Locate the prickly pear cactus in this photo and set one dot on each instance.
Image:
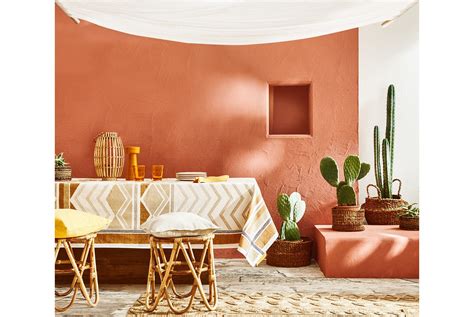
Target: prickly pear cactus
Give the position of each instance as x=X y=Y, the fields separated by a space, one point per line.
x=353 y=170
x=291 y=209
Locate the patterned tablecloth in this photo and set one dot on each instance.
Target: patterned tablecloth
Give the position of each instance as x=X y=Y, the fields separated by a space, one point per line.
x=235 y=206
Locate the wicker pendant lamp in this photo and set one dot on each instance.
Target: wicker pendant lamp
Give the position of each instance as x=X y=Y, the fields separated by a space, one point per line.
x=108 y=155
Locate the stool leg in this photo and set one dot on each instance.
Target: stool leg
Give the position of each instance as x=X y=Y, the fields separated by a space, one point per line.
x=212 y=276
x=150 y=286
x=73 y=262
x=93 y=276
x=79 y=273
x=71 y=287
x=191 y=293
x=196 y=276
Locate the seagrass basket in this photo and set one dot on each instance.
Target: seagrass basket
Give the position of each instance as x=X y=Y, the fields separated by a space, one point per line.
x=409 y=223
x=383 y=211
x=62 y=173
x=108 y=155
x=284 y=253
x=348 y=218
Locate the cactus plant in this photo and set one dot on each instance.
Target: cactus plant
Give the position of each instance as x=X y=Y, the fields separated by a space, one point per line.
x=353 y=170
x=291 y=209
x=383 y=159
x=59 y=160
x=410 y=211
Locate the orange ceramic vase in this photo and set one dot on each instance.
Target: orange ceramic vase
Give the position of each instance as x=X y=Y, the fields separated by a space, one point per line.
x=132 y=162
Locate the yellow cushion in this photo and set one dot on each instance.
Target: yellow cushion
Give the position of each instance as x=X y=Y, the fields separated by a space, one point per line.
x=74 y=223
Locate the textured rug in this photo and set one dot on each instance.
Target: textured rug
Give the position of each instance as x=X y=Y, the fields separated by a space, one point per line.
x=296 y=304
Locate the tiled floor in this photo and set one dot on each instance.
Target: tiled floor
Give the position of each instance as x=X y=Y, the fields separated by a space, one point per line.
x=237 y=275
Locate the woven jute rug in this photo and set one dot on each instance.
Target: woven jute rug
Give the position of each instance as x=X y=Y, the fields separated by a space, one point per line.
x=295 y=304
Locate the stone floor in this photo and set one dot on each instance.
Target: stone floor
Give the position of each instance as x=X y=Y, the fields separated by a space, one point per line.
x=237 y=275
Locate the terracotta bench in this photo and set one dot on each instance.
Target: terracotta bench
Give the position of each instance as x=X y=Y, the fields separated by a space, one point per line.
x=379 y=251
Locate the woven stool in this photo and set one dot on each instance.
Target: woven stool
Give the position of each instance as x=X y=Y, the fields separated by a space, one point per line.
x=86 y=262
x=169 y=267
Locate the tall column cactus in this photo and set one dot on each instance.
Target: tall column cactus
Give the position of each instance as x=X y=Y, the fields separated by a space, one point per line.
x=353 y=170
x=383 y=159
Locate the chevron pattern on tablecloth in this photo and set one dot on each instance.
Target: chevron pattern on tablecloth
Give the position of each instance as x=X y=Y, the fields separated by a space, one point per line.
x=224 y=204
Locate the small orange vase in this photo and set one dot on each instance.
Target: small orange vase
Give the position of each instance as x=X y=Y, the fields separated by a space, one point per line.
x=132 y=162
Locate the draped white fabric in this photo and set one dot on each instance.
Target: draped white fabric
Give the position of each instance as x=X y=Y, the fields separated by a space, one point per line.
x=233 y=22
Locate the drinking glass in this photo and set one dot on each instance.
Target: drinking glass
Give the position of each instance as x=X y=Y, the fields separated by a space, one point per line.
x=140 y=173
x=157 y=172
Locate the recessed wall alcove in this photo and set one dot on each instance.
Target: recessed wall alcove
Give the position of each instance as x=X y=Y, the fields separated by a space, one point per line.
x=289 y=113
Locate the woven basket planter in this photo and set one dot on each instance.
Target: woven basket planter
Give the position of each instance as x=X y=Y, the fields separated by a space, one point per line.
x=62 y=173
x=409 y=223
x=383 y=211
x=108 y=156
x=284 y=253
x=348 y=218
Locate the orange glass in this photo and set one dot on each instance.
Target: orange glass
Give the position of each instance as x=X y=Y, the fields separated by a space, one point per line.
x=157 y=172
x=140 y=173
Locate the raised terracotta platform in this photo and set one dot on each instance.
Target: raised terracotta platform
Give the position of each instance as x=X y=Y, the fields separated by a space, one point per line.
x=379 y=251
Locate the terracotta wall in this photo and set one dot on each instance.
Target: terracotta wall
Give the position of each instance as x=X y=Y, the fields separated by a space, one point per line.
x=204 y=107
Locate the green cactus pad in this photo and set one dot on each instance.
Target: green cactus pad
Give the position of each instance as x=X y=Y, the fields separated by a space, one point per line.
x=364 y=170
x=329 y=171
x=292 y=232
x=346 y=196
x=351 y=169
x=284 y=206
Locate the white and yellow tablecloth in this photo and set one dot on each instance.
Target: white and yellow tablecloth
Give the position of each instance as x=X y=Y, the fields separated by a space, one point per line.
x=235 y=206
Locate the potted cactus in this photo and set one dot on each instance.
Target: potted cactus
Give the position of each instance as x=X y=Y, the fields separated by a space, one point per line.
x=385 y=208
x=347 y=215
x=410 y=217
x=290 y=250
x=62 y=170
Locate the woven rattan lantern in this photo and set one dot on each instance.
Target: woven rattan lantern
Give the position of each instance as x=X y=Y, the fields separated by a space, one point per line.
x=108 y=156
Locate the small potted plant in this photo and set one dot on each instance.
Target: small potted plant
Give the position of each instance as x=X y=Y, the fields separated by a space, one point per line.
x=62 y=169
x=410 y=218
x=290 y=250
x=347 y=215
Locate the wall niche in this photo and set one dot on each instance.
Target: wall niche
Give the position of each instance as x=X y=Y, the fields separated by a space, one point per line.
x=289 y=112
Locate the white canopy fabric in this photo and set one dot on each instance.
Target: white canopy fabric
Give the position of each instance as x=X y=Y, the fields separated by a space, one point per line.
x=233 y=22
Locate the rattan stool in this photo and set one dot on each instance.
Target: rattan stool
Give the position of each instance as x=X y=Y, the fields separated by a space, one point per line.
x=77 y=269
x=167 y=268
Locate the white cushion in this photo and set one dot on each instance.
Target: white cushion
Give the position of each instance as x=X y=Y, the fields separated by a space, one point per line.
x=178 y=224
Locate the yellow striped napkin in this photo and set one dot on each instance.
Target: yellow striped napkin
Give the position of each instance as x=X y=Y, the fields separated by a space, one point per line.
x=211 y=179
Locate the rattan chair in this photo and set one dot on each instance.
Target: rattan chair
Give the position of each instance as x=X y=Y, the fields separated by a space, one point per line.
x=86 y=262
x=169 y=267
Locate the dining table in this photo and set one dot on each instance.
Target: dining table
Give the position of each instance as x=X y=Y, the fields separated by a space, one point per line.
x=236 y=206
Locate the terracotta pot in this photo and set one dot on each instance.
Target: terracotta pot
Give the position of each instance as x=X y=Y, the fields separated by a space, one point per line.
x=383 y=211
x=348 y=218
x=284 y=253
x=62 y=173
x=409 y=223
